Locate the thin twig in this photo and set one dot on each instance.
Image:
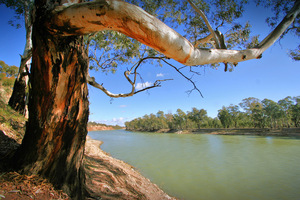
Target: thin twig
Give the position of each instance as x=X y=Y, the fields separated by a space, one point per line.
x=189 y=79
x=157 y=83
x=92 y=81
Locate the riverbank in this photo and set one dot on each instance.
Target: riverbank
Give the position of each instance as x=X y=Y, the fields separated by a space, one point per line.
x=253 y=131
x=99 y=128
x=94 y=126
x=235 y=131
x=106 y=177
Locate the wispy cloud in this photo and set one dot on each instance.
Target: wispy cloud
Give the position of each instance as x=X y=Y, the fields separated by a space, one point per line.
x=160 y=75
x=123 y=106
x=140 y=86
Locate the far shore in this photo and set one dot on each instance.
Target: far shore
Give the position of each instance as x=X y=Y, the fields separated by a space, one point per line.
x=101 y=128
x=235 y=131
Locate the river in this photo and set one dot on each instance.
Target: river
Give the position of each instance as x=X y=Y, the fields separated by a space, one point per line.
x=211 y=167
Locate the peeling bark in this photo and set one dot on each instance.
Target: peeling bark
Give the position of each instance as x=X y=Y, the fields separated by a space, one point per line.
x=54 y=141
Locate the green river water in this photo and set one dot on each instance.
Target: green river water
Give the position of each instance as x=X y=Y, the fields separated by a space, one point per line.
x=211 y=167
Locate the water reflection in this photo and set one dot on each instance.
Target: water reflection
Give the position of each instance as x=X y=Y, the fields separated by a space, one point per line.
x=210 y=166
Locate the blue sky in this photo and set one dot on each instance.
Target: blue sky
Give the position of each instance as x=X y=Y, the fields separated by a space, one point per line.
x=275 y=76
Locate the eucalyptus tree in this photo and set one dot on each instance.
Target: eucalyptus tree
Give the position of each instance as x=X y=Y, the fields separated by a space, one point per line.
x=245 y=120
x=234 y=112
x=170 y=120
x=198 y=116
x=53 y=145
x=225 y=117
x=258 y=116
x=295 y=111
x=286 y=106
x=272 y=111
x=161 y=120
x=180 y=119
x=23 y=10
x=214 y=123
x=248 y=104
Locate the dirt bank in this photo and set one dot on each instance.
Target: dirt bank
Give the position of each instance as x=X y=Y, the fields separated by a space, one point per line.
x=109 y=178
x=99 y=128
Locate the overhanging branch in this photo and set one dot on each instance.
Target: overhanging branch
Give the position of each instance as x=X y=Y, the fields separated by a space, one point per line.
x=134 y=22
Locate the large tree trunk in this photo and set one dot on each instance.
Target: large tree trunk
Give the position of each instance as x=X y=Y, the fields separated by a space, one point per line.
x=54 y=141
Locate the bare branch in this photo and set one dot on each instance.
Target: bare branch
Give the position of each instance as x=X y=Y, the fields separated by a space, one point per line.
x=157 y=83
x=189 y=79
x=212 y=32
x=92 y=82
x=194 y=72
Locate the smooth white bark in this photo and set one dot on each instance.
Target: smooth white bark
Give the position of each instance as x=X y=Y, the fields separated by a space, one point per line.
x=131 y=20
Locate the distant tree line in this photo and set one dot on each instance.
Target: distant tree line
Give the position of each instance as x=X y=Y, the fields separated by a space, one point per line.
x=250 y=113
